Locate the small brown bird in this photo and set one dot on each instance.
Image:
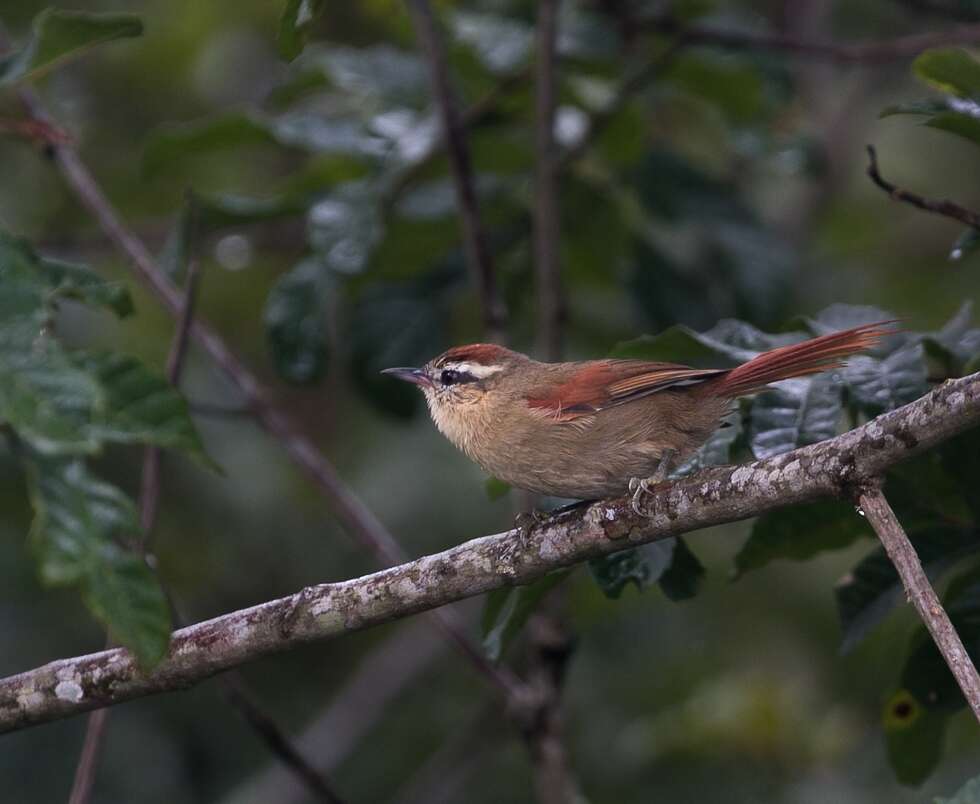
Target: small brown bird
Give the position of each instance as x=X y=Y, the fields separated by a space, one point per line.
x=589 y=429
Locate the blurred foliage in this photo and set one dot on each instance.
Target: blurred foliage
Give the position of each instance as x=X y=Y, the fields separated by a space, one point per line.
x=715 y=198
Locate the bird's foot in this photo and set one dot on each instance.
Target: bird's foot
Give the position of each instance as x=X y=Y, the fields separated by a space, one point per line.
x=641 y=487
x=525 y=522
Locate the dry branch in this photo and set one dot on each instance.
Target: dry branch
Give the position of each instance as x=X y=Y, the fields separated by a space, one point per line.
x=920 y=592
x=943 y=207
x=715 y=496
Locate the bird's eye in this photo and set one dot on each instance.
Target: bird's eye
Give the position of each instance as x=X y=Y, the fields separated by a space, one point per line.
x=449 y=377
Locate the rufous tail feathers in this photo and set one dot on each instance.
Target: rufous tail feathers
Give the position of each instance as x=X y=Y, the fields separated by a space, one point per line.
x=799 y=359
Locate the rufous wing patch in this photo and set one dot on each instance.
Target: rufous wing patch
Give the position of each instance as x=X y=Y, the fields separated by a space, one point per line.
x=604 y=383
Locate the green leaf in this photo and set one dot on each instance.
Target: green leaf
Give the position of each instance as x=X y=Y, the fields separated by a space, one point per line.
x=966 y=126
x=682 y=579
x=294 y=25
x=965 y=245
x=925 y=108
x=140 y=406
x=716 y=451
x=345 y=227
x=916 y=715
x=378 y=76
x=295 y=321
x=844 y=316
x=914 y=737
x=961 y=459
x=57 y=36
x=891 y=373
x=170 y=143
x=869 y=592
x=640 y=566
x=502 y=44
x=949 y=69
x=310 y=131
x=878 y=385
x=123 y=593
x=71 y=281
x=799 y=411
x=969 y=793
x=224 y=210
x=34 y=284
x=734 y=86
x=43 y=396
x=680 y=344
x=496 y=489
x=955 y=343
x=77 y=522
x=799 y=533
x=396 y=325
x=507 y=611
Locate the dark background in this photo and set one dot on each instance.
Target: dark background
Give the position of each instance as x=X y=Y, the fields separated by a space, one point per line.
x=732 y=186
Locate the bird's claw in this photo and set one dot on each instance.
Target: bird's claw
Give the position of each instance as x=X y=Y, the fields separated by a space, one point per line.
x=525 y=521
x=640 y=488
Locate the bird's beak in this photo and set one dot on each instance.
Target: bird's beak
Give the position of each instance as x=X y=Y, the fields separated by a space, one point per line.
x=412 y=375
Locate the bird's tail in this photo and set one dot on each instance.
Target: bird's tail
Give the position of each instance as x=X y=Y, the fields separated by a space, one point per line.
x=799 y=359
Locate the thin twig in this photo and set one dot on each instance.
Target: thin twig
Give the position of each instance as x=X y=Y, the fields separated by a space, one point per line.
x=546 y=223
x=474 y=236
x=920 y=592
x=938 y=207
x=444 y=774
x=363 y=700
x=34 y=131
x=549 y=643
x=150 y=477
x=712 y=497
x=866 y=53
x=276 y=739
x=357 y=519
x=550 y=649
x=88 y=759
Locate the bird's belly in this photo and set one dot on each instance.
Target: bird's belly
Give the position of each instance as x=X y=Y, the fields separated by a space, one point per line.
x=597 y=456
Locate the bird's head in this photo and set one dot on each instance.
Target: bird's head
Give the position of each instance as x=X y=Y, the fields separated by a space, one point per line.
x=463 y=375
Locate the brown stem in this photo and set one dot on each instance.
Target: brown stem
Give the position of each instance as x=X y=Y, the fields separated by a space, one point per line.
x=920 y=592
x=354 y=710
x=938 y=207
x=474 y=237
x=546 y=224
x=88 y=760
x=276 y=739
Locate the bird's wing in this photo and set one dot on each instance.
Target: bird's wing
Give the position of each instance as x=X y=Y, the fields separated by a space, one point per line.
x=603 y=384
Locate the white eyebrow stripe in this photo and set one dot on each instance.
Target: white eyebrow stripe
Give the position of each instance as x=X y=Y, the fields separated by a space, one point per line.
x=477 y=370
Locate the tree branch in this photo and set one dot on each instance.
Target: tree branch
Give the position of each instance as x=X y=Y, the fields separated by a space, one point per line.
x=920 y=592
x=474 y=237
x=938 y=207
x=712 y=497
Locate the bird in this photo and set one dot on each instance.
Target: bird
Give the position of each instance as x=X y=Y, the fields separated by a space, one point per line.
x=592 y=429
